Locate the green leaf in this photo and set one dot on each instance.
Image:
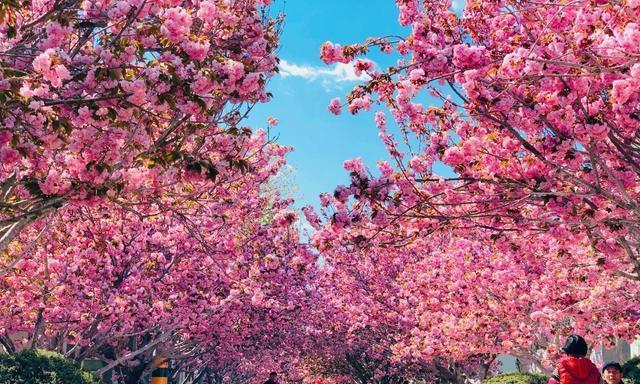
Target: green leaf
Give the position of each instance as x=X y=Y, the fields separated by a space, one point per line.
x=113 y=74
x=40 y=367
x=112 y=114
x=11 y=32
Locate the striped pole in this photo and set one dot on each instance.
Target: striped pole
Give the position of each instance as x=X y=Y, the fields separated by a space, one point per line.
x=160 y=375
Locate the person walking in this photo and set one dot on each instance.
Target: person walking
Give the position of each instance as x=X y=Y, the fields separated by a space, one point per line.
x=575 y=367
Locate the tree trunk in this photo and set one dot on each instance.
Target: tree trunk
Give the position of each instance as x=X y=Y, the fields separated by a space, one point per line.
x=8 y=345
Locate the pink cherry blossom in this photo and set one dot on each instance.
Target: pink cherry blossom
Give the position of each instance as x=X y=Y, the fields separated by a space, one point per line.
x=176 y=25
x=538 y=216
x=335 y=106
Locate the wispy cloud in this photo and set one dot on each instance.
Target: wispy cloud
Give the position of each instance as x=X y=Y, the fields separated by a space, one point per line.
x=338 y=73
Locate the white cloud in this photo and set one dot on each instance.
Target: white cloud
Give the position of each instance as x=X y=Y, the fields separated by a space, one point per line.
x=339 y=73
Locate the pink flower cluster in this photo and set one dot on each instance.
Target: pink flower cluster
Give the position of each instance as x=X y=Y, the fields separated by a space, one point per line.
x=335 y=106
x=361 y=66
x=48 y=65
x=177 y=24
x=330 y=53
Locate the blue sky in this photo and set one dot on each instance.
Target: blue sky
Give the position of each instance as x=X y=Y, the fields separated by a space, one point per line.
x=306 y=85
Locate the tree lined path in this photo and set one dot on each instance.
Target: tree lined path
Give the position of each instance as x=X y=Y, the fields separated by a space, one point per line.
x=141 y=216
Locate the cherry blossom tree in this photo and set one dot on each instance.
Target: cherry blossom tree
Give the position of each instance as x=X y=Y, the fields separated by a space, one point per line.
x=535 y=234
x=207 y=282
x=133 y=220
x=363 y=356
x=357 y=331
x=541 y=130
x=121 y=99
x=467 y=299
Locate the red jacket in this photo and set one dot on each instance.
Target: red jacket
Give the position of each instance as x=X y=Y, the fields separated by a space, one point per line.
x=578 y=370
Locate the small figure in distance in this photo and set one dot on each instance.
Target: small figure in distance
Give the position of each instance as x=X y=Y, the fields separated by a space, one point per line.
x=272 y=378
x=575 y=367
x=612 y=372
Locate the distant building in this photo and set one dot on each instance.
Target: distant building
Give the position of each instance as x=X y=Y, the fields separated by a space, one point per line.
x=622 y=352
x=635 y=348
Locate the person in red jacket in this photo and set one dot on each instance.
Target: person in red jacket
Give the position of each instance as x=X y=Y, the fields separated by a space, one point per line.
x=575 y=368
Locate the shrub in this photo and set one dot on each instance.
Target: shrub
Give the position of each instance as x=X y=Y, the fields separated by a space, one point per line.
x=42 y=367
x=631 y=370
x=517 y=378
